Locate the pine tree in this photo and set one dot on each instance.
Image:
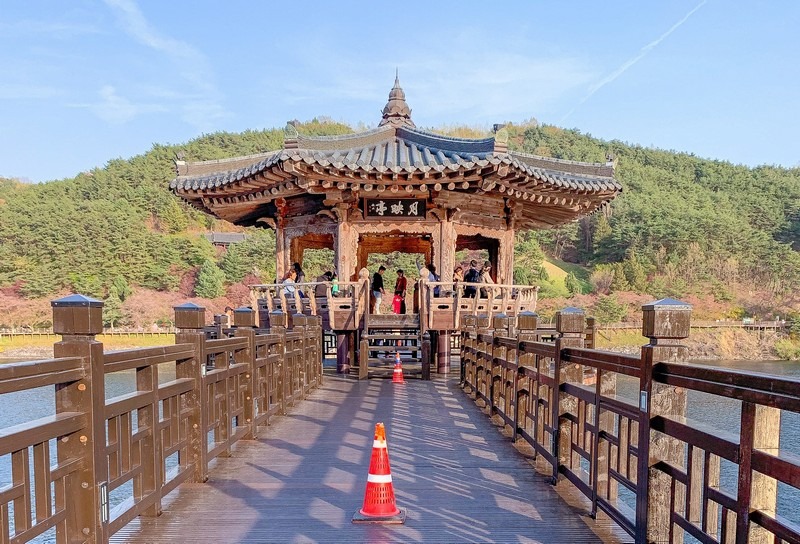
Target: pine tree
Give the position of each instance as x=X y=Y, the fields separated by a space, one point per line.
x=210 y=281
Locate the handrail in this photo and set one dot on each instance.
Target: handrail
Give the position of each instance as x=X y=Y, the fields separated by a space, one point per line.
x=223 y=388
x=597 y=440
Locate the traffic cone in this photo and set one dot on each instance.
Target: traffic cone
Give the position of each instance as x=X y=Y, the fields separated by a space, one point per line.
x=379 y=505
x=397 y=373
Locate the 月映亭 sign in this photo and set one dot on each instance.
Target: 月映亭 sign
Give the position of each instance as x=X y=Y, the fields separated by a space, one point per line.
x=394 y=208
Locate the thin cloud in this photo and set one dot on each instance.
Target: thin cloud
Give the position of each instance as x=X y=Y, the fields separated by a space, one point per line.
x=24 y=91
x=642 y=53
x=117 y=109
x=200 y=105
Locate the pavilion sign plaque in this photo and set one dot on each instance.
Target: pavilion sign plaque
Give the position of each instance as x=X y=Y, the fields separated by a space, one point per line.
x=394 y=208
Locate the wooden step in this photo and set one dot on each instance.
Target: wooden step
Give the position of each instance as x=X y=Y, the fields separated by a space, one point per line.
x=393 y=349
x=389 y=336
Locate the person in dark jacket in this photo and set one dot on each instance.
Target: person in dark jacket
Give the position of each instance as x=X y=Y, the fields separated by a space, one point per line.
x=377 y=288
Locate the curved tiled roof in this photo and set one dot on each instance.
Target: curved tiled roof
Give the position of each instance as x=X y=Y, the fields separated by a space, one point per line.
x=396 y=150
x=401 y=157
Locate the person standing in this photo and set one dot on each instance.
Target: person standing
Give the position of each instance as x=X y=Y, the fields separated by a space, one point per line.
x=472 y=276
x=400 y=287
x=300 y=277
x=486 y=277
x=377 y=288
x=434 y=277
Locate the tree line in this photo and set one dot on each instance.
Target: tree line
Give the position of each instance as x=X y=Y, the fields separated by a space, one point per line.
x=684 y=226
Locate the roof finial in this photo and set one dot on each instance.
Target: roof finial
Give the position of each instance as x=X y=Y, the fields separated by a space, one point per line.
x=396 y=112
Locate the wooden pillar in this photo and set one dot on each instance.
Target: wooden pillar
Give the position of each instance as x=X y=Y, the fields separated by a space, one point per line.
x=344 y=251
x=505 y=257
x=443 y=352
x=569 y=327
x=426 y=355
x=446 y=259
x=665 y=322
x=342 y=352
x=78 y=319
x=281 y=251
x=189 y=322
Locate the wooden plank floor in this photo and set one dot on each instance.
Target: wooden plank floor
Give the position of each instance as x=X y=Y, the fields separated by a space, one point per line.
x=458 y=477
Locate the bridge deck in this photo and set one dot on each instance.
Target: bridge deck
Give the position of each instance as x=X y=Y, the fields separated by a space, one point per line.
x=458 y=477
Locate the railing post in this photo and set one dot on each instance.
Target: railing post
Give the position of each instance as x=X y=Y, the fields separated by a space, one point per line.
x=189 y=322
x=244 y=322
x=760 y=430
x=569 y=327
x=500 y=324
x=314 y=329
x=591 y=333
x=665 y=322
x=527 y=322
x=425 y=355
x=443 y=352
x=467 y=349
x=301 y=368
x=78 y=319
x=278 y=321
x=343 y=352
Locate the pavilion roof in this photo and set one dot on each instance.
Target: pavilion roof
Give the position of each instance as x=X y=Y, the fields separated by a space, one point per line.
x=400 y=156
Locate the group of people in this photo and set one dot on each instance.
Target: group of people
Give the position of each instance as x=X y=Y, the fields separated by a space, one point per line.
x=295 y=275
x=378 y=291
x=475 y=274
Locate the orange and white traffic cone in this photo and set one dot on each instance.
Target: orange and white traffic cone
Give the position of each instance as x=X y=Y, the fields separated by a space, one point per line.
x=397 y=373
x=379 y=505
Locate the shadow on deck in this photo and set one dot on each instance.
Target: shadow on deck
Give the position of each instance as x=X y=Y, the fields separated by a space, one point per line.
x=459 y=478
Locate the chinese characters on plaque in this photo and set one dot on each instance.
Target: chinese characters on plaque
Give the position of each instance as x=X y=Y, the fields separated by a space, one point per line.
x=394 y=208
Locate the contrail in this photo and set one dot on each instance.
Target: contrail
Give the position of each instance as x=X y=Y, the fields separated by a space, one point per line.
x=621 y=70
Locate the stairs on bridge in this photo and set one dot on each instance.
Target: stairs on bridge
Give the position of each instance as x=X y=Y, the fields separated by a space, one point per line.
x=383 y=338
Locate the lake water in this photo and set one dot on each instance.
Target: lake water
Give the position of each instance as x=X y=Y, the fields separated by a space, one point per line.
x=723 y=413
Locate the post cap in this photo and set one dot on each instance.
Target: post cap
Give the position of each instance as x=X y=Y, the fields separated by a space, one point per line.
x=667 y=304
x=570 y=320
x=76 y=300
x=666 y=318
x=77 y=315
x=244 y=317
x=189 y=316
x=528 y=320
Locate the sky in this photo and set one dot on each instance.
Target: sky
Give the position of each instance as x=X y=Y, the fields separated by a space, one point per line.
x=87 y=81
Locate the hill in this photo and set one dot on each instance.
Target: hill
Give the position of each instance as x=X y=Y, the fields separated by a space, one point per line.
x=725 y=237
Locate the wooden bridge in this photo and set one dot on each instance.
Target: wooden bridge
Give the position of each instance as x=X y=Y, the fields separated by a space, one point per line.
x=235 y=434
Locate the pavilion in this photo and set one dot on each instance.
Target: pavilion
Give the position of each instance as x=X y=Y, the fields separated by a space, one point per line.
x=396 y=188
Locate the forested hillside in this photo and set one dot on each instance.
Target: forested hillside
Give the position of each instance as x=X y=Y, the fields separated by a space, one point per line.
x=725 y=237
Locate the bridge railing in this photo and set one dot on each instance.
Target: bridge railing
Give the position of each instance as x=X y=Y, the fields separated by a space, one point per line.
x=636 y=454
x=443 y=304
x=341 y=305
x=116 y=458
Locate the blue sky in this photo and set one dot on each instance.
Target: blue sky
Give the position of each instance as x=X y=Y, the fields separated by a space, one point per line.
x=86 y=81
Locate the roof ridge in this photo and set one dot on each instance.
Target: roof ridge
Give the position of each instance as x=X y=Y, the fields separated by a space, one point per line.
x=233 y=159
x=436 y=136
x=351 y=136
x=554 y=159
